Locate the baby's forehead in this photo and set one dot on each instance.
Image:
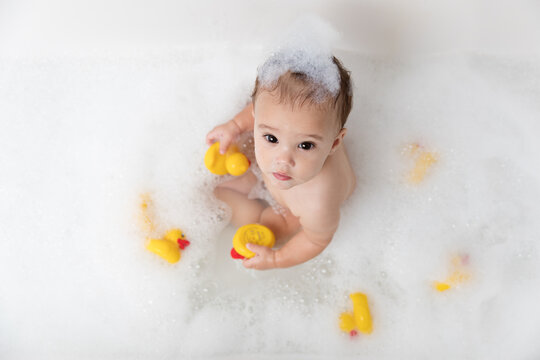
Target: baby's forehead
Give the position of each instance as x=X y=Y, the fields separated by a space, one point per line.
x=293 y=103
x=272 y=101
x=295 y=119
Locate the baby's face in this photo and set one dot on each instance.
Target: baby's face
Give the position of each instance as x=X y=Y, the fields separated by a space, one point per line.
x=291 y=146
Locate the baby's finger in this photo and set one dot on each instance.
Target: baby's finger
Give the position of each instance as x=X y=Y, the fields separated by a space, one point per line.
x=211 y=137
x=253 y=263
x=257 y=249
x=249 y=263
x=224 y=144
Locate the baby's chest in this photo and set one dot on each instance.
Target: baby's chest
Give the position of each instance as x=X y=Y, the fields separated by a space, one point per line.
x=294 y=201
x=282 y=199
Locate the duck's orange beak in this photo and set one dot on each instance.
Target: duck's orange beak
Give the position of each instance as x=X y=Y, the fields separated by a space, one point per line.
x=183 y=243
x=236 y=255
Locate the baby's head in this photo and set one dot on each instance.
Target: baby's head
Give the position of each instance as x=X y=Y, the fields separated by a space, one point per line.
x=299 y=119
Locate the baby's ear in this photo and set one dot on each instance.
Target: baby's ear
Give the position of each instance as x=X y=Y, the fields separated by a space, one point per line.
x=338 y=140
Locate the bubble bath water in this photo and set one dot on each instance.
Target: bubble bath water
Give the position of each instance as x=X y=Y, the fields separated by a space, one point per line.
x=88 y=127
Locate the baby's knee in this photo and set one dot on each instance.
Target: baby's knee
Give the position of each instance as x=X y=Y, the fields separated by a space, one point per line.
x=242 y=184
x=219 y=193
x=244 y=210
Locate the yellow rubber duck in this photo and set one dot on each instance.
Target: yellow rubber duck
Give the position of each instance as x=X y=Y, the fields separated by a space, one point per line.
x=459 y=274
x=359 y=319
x=232 y=162
x=424 y=160
x=169 y=246
x=254 y=234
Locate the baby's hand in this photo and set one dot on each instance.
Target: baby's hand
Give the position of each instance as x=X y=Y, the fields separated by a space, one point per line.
x=264 y=258
x=225 y=134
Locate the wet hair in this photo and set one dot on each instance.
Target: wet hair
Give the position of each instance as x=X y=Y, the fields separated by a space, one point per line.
x=298 y=89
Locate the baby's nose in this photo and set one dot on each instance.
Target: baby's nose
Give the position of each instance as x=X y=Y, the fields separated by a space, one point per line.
x=285 y=157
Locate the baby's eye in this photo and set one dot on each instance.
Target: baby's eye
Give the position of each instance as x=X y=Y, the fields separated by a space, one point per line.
x=270 y=138
x=306 y=145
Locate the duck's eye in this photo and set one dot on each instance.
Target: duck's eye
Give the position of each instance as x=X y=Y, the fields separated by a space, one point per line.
x=306 y=145
x=271 y=138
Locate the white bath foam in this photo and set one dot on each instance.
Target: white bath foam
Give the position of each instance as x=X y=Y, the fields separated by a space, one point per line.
x=306 y=48
x=76 y=160
x=476 y=164
x=83 y=142
x=402 y=289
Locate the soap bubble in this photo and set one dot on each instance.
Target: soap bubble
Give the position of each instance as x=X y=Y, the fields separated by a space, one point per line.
x=307 y=49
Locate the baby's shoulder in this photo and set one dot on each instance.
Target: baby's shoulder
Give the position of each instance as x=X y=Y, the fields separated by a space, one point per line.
x=317 y=207
x=337 y=179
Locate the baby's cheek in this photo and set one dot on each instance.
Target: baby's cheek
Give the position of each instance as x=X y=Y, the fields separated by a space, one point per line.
x=261 y=165
x=260 y=158
x=256 y=148
x=312 y=168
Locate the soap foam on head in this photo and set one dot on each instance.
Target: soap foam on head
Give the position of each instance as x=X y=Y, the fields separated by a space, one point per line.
x=306 y=49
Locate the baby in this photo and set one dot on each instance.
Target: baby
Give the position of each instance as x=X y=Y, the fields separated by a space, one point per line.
x=297 y=117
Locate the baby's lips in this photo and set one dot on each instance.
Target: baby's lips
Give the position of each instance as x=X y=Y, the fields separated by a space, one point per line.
x=281 y=176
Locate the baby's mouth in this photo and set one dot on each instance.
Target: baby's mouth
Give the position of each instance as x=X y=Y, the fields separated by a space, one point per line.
x=281 y=176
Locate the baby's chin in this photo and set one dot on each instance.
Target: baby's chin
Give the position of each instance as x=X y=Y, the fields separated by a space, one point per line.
x=284 y=185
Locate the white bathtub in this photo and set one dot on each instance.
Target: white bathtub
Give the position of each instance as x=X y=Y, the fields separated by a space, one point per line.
x=101 y=102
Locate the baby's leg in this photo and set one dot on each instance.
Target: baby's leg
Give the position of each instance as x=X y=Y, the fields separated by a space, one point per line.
x=235 y=194
x=283 y=226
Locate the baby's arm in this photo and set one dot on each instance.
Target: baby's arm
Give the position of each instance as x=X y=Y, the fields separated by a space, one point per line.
x=226 y=133
x=316 y=234
x=318 y=228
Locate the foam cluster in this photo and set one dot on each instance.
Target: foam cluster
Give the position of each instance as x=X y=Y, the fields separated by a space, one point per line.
x=307 y=50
